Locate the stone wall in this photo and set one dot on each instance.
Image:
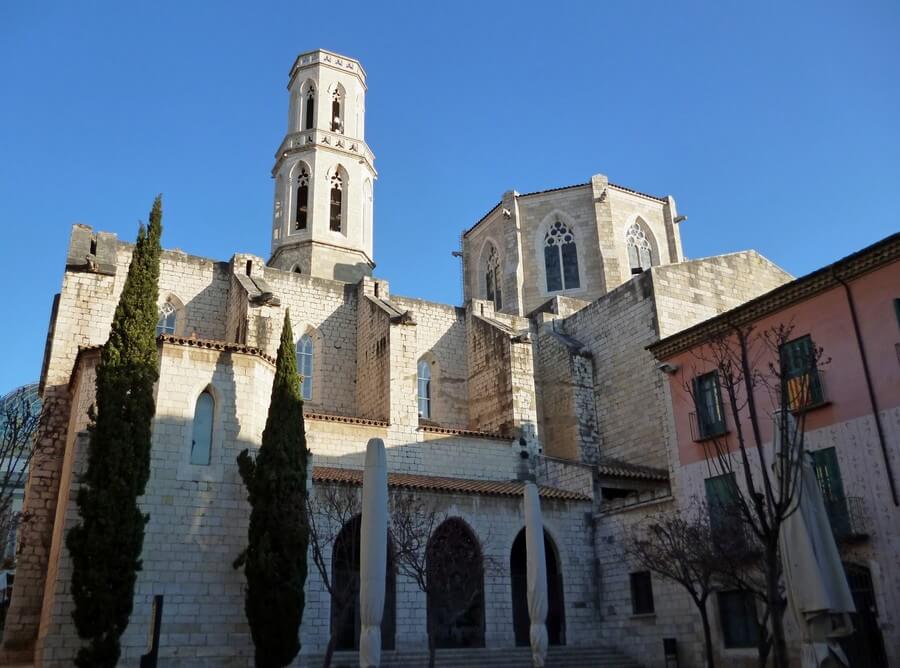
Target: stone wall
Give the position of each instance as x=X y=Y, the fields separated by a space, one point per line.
x=441 y=341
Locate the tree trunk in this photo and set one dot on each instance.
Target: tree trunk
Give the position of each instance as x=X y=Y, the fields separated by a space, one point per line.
x=776 y=620
x=431 y=647
x=707 y=637
x=329 y=650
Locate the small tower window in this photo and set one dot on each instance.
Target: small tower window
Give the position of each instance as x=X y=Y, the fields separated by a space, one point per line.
x=336 y=214
x=305 y=366
x=310 y=111
x=337 y=112
x=300 y=219
x=640 y=255
x=493 y=279
x=166 y=322
x=201 y=440
x=424 y=389
x=560 y=258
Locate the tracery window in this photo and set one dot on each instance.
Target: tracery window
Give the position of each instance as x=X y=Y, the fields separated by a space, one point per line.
x=305 y=365
x=166 y=322
x=336 y=214
x=310 y=109
x=560 y=258
x=302 y=215
x=424 y=389
x=640 y=255
x=493 y=279
x=201 y=439
x=337 y=112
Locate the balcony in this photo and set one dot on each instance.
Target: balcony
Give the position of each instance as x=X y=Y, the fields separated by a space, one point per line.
x=806 y=392
x=848 y=518
x=703 y=429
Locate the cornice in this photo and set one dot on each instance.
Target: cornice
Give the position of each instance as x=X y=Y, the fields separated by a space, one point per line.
x=297 y=142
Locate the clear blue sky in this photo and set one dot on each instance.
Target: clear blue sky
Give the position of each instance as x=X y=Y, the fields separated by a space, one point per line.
x=776 y=125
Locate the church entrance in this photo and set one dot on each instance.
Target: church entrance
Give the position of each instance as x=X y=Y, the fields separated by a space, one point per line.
x=345 y=597
x=556 y=616
x=455 y=576
x=866 y=646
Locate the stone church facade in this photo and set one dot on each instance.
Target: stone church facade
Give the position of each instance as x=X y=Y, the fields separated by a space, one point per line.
x=542 y=374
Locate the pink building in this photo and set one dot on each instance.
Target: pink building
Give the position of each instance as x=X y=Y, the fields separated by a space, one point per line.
x=850 y=309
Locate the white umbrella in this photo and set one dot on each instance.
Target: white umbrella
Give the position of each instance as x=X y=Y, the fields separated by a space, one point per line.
x=537 y=574
x=816 y=583
x=373 y=555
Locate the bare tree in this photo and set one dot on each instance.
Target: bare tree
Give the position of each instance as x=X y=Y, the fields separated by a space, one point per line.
x=19 y=416
x=442 y=557
x=765 y=375
x=678 y=547
x=331 y=508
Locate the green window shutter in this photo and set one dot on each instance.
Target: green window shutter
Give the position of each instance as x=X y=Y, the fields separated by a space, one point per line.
x=828 y=473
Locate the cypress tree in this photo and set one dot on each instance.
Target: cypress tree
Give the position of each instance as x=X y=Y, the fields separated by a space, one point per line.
x=106 y=543
x=275 y=558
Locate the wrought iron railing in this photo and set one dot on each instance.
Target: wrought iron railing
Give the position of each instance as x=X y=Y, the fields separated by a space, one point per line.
x=848 y=517
x=806 y=391
x=702 y=430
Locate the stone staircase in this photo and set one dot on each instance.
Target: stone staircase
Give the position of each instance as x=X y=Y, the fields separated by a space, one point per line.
x=514 y=657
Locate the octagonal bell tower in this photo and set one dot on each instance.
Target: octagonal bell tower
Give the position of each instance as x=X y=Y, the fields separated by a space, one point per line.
x=324 y=172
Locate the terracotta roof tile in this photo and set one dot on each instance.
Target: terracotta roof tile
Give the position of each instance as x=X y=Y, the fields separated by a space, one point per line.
x=210 y=344
x=345 y=419
x=616 y=469
x=442 y=484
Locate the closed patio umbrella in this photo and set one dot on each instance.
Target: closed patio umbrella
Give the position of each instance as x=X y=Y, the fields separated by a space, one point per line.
x=536 y=574
x=373 y=554
x=816 y=584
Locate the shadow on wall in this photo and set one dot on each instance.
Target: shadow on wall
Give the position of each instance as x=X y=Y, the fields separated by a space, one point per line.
x=351 y=273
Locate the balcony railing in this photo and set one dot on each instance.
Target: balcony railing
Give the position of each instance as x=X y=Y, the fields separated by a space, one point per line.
x=702 y=430
x=806 y=391
x=848 y=518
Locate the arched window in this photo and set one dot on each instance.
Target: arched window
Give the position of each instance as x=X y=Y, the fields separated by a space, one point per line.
x=166 y=322
x=424 y=389
x=337 y=111
x=336 y=214
x=310 y=112
x=640 y=254
x=492 y=279
x=201 y=440
x=560 y=258
x=305 y=365
x=302 y=200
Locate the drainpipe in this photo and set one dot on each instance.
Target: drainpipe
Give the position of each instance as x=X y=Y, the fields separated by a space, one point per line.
x=872 y=401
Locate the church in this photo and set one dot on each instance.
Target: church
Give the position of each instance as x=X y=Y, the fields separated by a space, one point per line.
x=542 y=374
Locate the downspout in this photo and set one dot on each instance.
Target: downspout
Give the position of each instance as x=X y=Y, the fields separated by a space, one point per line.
x=872 y=401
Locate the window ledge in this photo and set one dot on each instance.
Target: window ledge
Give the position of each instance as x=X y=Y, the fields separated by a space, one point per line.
x=643 y=615
x=811 y=407
x=709 y=437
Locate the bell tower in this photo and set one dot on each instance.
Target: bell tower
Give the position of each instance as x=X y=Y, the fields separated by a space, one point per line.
x=324 y=172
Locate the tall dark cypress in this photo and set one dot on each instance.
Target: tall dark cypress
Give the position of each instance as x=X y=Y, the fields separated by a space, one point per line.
x=275 y=559
x=106 y=543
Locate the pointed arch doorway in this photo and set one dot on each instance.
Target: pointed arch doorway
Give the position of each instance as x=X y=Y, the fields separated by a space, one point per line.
x=556 y=615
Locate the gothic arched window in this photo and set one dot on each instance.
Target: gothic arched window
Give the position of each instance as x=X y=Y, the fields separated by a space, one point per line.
x=337 y=111
x=492 y=279
x=201 y=439
x=336 y=214
x=166 y=322
x=310 y=109
x=560 y=258
x=302 y=214
x=640 y=255
x=305 y=365
x=424 y=389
